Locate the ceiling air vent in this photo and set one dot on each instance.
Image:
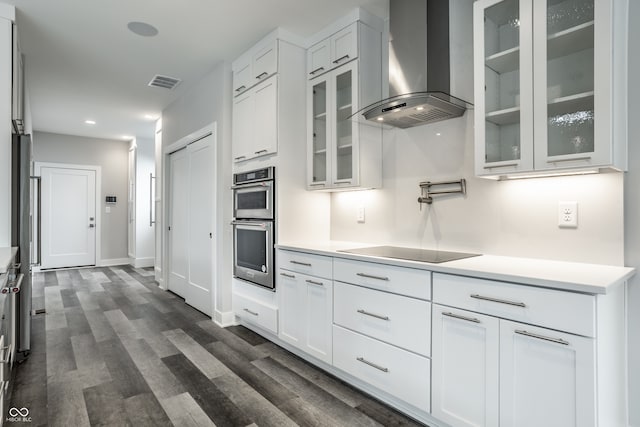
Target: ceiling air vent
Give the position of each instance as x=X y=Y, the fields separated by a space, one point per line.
x=164 y=82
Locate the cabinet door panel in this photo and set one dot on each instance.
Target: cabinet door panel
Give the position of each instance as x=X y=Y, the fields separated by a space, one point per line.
x=547 y=378
x=318 y=307
x=318 y=59
x=291 y=292
x=503 y=86
x=319 y=132
x=242 y=137
x=344 y=45
x=242 y=76
x=345 y=130
x=265 y=62
x=465 y=367
x=265 y=118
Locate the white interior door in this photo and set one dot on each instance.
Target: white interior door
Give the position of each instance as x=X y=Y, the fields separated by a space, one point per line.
x=178 y=222
x=68 y=217
x=200 y=223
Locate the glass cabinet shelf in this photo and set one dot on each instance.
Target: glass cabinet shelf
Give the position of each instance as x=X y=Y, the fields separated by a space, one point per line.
x=505 y=61
x=569 y=41
x=504 y=117
x=579 y=102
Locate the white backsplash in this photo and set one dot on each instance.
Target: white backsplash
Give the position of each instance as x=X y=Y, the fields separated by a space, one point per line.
x=516 y=218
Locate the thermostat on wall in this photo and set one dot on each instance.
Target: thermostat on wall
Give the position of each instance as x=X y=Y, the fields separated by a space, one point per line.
x=111 y=199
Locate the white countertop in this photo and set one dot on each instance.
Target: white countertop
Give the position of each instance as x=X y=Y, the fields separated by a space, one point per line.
x=6 y=258
x=570 y=276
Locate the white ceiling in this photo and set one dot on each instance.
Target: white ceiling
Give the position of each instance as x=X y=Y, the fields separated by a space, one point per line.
x=83 y=63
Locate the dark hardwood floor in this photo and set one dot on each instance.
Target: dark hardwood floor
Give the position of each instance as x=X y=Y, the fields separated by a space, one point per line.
x=115 y=350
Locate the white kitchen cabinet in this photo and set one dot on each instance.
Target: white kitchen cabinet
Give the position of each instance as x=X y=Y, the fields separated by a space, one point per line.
x=547 y=378
x=342 y=151
x=550 y=85
x=336 y=50
x=465 y=367
x=306 y=307
x=256 y=65
x=514 y=369
x=255 y=122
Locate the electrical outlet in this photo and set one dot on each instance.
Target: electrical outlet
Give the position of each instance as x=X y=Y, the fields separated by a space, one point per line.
x=360 y=214
x=568 y=214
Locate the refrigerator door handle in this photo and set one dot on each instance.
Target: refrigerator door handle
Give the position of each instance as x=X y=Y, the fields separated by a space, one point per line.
x=38 y=179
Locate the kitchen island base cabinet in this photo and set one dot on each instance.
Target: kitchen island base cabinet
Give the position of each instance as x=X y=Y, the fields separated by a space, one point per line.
x=547 y=378
x=305 y=315
x=397 y=372
x=465 y=367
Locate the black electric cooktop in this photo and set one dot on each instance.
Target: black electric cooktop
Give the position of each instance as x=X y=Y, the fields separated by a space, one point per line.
x=411 y=254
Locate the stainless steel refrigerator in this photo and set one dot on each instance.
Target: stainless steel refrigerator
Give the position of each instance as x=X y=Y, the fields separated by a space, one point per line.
x=21 y=236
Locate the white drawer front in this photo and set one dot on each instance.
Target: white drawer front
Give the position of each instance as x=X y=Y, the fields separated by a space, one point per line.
x=565 y=311
x=398 y=320
x=398 y=280
x=394 y=371
x=256 y=312
x=314 y=265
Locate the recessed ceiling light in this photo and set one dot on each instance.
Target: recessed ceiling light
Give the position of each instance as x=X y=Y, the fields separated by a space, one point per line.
x=142 y=29
x=90 y=122
x=438 y=134
x=419 y=108
x=380 y=119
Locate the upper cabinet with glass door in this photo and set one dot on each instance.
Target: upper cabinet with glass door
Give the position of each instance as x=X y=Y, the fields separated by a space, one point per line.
x=550 y=77
x=345 y=75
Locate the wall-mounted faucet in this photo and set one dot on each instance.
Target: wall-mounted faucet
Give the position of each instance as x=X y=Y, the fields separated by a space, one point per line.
x=428 y=198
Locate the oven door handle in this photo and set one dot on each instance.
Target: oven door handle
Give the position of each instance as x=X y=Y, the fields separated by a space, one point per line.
x=257 y=184
x=250 y=224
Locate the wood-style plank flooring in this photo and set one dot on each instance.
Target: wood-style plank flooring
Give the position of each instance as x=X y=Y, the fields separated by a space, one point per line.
x=115 y=350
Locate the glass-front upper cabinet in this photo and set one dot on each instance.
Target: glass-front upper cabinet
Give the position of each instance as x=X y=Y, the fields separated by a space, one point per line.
x=550 y=85
x=503 y=73
x=565 y=83
x=320 y=130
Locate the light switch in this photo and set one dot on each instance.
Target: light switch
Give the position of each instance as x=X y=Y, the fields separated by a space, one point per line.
x=107 y=209
x=360 y=214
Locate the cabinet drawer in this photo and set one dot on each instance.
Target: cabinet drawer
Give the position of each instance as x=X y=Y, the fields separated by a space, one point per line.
x=565 y=311
x=314 y=265
x=256 y=312
x=394 y=319
x=398 y=280
x=400 y=373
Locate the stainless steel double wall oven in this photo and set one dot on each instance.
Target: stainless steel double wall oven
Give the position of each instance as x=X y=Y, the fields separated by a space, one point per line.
x=254 y=226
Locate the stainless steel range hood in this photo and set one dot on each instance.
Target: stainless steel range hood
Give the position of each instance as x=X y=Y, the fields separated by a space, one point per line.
x=430 y=51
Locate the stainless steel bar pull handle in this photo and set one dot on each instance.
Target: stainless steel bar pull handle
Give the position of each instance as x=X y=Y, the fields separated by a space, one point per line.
x=373 y=365
x=501 y=301
x=313 y=282
x=316 y=70
x=261 y=75
x=542 y=337
x=260 y=151
x=38 y=179
x=253 y=313
x=505 y=165
x=457 y=316
x=239 y=157
x=306 y=264
x=377 y=316
x=369 y=276
x=240 y=88
x=574 y=159
x=340 y=59
x=290 y=276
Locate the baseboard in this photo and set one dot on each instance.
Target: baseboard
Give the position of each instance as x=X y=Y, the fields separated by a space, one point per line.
x=112 y=262
x=142 y=262
x=224 y=319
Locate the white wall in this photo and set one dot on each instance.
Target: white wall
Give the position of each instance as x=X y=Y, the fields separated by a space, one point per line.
x=209 y=101
x=112 y=156
x=632 y=217
x=516 y=218
x=5 y=129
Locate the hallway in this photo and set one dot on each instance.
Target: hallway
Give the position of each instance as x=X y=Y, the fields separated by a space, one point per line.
x=114 y=349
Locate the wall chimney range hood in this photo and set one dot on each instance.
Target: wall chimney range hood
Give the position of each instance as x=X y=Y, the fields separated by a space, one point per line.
x=430 y=46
